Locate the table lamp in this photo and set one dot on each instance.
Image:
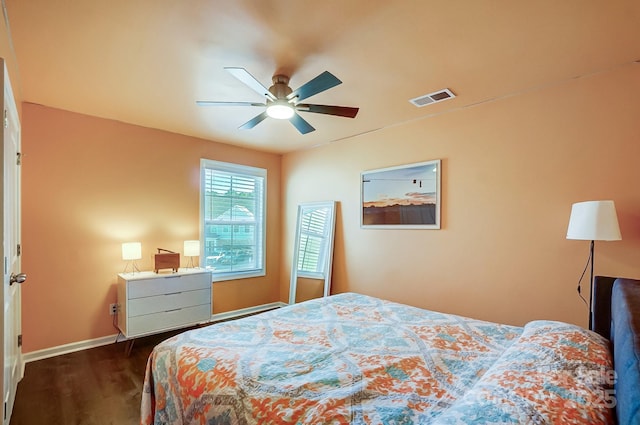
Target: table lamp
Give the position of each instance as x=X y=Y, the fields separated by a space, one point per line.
x=131 y=251
x=191 y=249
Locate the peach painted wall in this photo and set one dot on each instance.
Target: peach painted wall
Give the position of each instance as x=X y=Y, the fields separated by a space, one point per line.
x=90 y=184
x=7 y=53
x=511 y=170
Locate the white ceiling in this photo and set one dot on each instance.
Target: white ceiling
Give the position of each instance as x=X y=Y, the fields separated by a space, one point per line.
x=146 y=62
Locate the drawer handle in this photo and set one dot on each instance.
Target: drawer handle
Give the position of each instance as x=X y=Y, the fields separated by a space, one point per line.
x=175 y=309
x=173 y=293
x=172 y=277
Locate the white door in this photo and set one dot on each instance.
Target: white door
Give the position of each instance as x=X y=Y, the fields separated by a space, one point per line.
x=12 y=359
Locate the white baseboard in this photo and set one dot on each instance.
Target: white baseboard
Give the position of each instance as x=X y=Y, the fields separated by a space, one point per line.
x=67 y=348
x=105 y=340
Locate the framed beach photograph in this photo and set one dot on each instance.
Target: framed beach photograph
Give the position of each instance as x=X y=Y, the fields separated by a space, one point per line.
x=402 y=197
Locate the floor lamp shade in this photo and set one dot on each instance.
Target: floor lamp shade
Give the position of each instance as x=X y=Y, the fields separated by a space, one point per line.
x=594 y=221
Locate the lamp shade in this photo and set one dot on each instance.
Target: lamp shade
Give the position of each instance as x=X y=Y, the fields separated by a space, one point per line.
x=131 y=251
x=594 y=221
x=191 y=248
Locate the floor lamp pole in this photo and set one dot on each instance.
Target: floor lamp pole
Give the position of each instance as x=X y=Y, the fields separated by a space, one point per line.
x=591 y=288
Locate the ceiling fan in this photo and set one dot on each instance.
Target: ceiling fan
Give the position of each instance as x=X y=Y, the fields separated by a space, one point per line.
x=284 y=103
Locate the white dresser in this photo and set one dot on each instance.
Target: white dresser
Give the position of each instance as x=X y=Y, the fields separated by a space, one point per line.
x=151 y=303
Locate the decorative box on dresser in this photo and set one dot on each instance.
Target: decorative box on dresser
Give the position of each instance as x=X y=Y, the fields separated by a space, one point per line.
x=150 y=303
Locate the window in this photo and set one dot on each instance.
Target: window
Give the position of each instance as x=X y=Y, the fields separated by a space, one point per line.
x=314 y=231
x=232 y=214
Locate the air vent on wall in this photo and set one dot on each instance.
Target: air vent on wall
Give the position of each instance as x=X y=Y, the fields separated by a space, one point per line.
x=434 y=97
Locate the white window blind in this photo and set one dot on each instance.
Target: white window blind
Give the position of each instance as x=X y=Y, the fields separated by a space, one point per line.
x=314 y=231
x=232 y=219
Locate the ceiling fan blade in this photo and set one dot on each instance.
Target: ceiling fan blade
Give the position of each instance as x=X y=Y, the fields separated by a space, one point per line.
x=322 y=82
x=254 y=121
x=341 y=111
x=244 y=76
x=213 y=103
x=301 y=124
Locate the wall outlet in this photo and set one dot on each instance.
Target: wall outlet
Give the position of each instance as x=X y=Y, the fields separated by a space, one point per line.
x=113 y=309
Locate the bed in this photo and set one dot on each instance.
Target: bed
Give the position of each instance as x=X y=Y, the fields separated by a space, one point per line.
x=351 y=358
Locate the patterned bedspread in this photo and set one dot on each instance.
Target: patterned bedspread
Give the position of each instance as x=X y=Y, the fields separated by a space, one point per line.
x=354 y=359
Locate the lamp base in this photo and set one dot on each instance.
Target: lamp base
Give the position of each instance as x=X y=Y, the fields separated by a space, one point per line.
x=134 y=267
x=191 y=265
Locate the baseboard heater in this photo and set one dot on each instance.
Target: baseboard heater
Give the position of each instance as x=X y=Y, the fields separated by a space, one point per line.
x=235 y=314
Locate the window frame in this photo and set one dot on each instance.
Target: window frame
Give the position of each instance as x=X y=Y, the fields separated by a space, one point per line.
x=260 y=175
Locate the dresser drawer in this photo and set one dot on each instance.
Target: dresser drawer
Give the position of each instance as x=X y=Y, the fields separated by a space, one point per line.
x=158 y=322
x=167 y=284
x=160 y=303
x=152 y=303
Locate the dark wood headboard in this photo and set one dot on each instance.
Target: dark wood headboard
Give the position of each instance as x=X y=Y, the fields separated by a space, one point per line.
x=601 y=323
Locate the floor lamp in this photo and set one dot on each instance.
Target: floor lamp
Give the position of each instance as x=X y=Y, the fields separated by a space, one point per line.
x=593 y=221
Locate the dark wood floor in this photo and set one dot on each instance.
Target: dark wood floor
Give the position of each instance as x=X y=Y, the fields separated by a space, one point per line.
x=99 y=386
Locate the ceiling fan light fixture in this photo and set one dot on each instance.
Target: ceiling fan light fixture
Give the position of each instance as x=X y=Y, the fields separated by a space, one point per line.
x=280 y=110
x=282 y=103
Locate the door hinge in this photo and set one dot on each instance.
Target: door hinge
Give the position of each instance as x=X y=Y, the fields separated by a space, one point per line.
x=19 y=158
x=19 y=250
x=6 y=119
x=20 y=340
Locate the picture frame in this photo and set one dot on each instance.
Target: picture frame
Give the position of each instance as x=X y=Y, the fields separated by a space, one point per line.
x=401 y=197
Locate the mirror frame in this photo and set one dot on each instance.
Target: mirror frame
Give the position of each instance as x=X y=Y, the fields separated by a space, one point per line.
x=303 y=209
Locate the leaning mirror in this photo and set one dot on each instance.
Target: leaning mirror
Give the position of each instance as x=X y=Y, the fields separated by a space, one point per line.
x=313 y=251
